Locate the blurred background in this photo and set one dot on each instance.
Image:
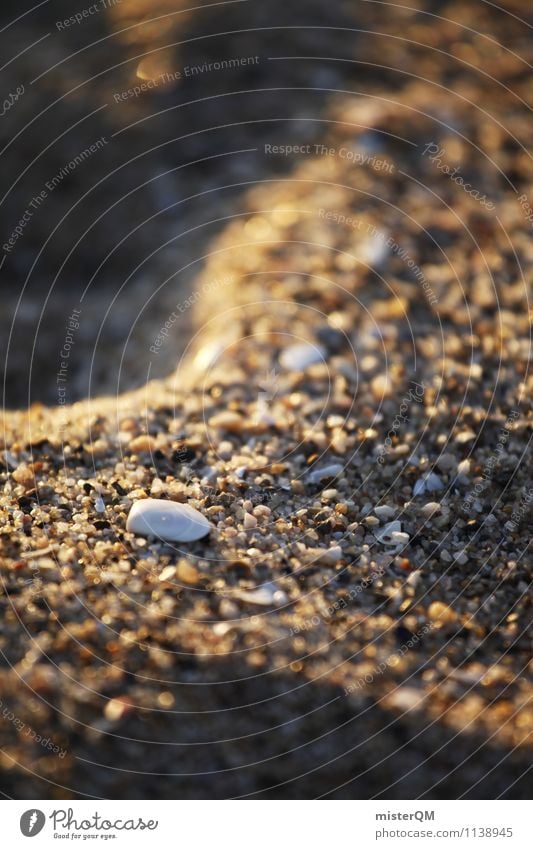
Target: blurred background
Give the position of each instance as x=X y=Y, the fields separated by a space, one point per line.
x=127 y=231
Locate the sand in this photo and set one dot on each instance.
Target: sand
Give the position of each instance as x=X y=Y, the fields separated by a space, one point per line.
x=356 y=624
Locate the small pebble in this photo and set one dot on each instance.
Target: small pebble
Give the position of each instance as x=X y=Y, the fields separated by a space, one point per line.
x=399 y=538
x=325 y=555
x=430 y=509
x=433 y=483
x=446 y=462
x=465 y=436
x=325 y=472
x=381 y=386
x=142 y=443
x=115 y=709
x=24 y=475
x=208 y=355
x=167 y=520
x=298 y=357
x=332 y=338
x=414 y=578
x=227 y=420
x=157 y=487
x=429 y=483
x=440 y=613
x=384 y=511
x=266 y=595
x=225 y=450
x=228 y=609
x=165 y=700
x=371 y=521
x=186 y=573
x=419 y=487
x=407 y=698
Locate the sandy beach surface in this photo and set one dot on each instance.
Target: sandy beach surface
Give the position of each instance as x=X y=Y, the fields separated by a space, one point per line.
x=294 y=296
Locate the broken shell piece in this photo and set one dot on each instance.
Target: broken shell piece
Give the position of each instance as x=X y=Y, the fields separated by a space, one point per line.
x=208 y=355
x=429 y=483
x=325 y=555
x=268 y=594
x=391 y=534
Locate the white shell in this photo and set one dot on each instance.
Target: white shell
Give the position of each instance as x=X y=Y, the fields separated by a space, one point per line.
x=167 y=520
x=299 y=357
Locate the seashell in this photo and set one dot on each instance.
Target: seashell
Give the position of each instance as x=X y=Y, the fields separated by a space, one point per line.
x=167 y=520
